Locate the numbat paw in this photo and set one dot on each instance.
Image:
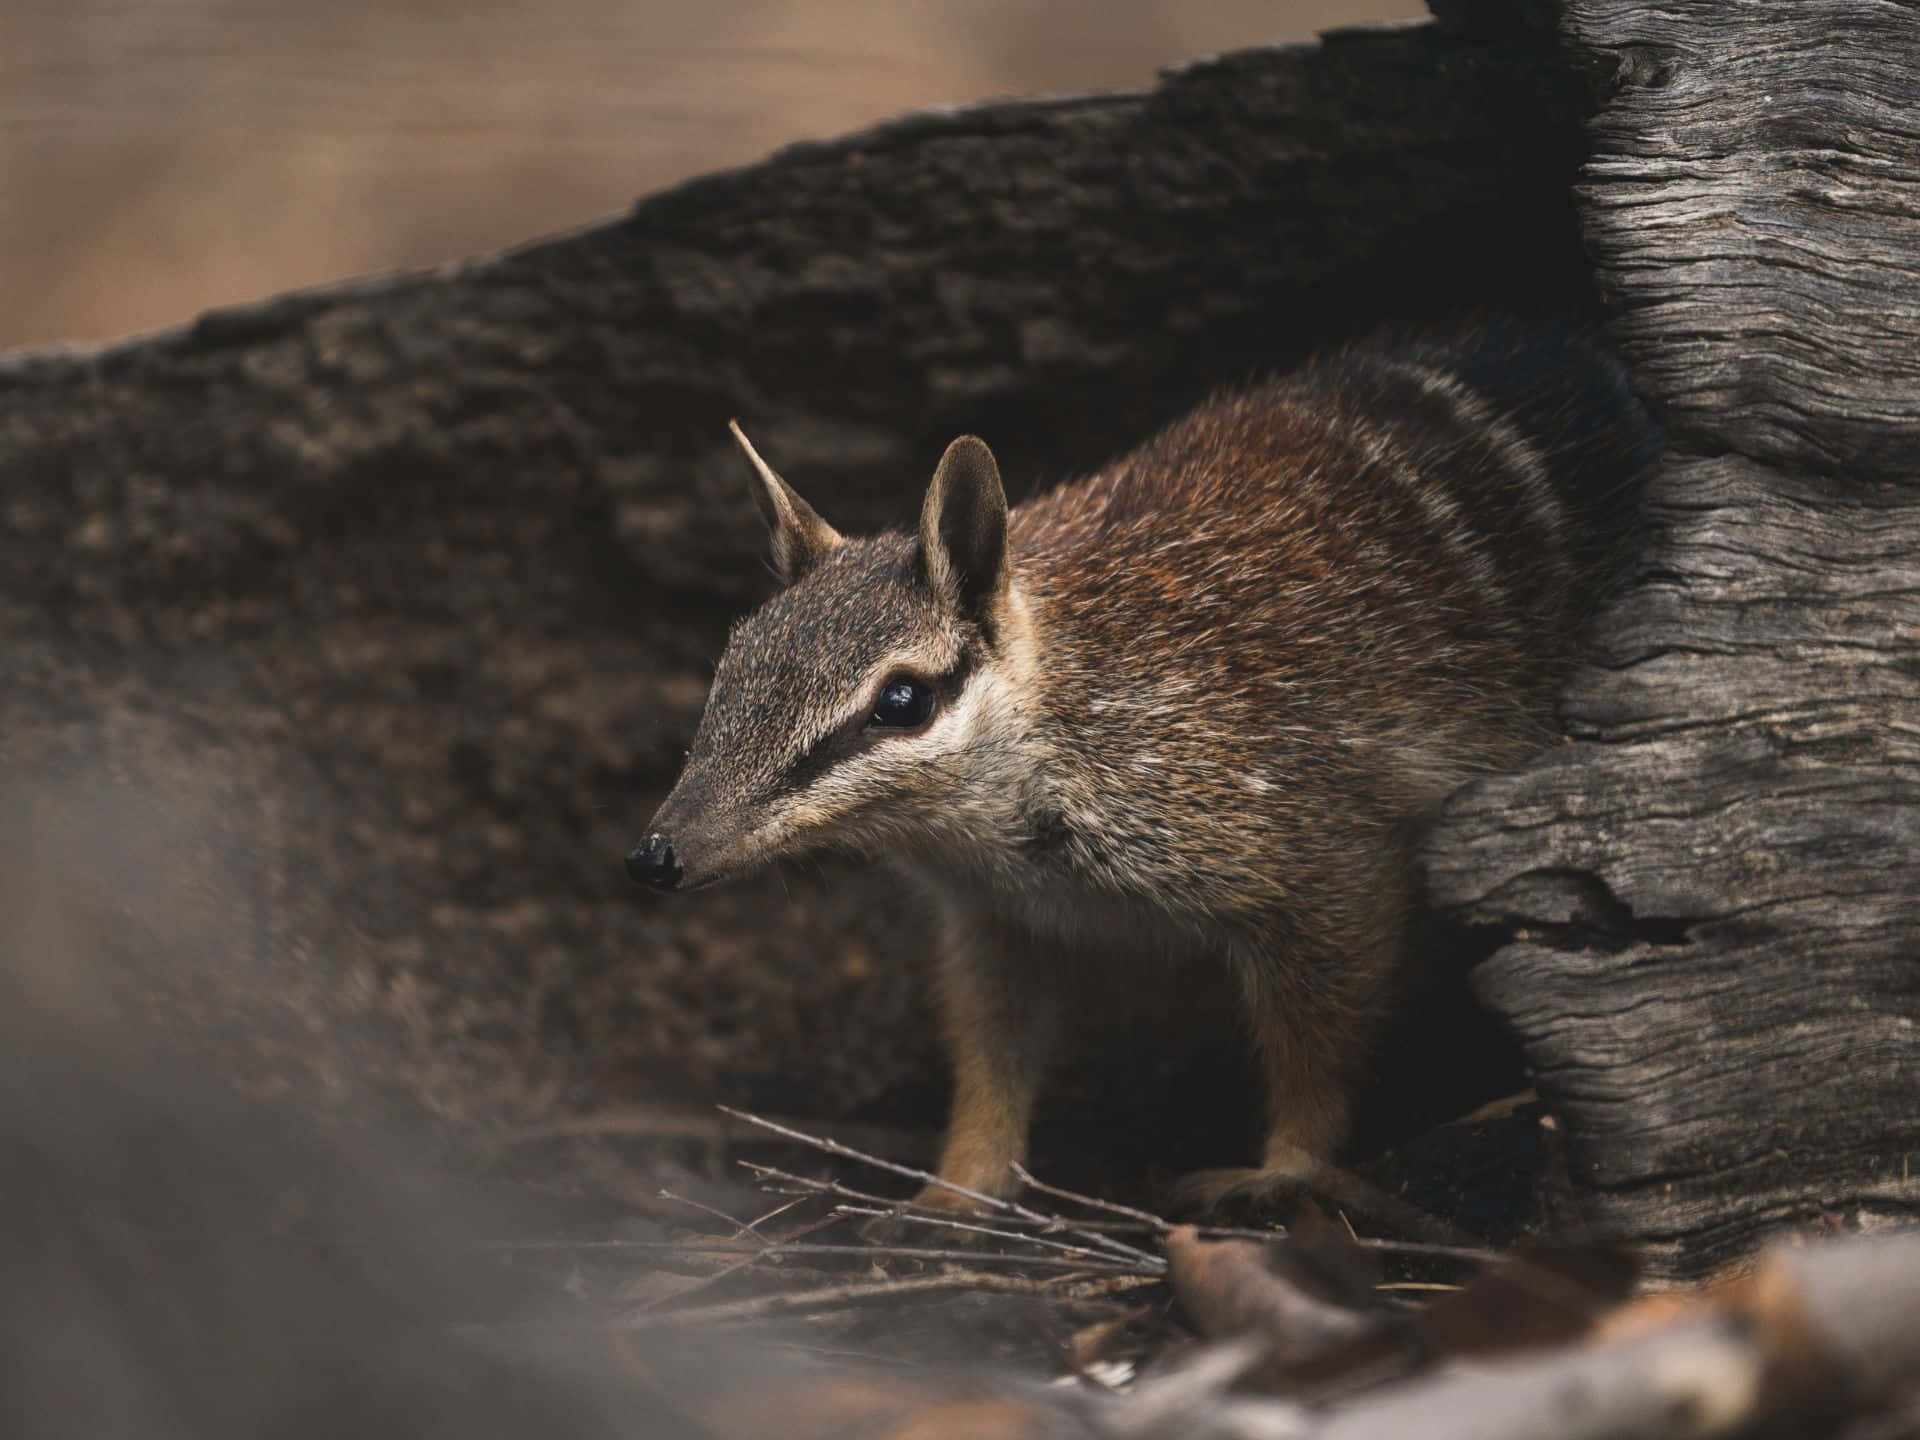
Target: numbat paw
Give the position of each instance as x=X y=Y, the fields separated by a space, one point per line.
x=1242 y=1190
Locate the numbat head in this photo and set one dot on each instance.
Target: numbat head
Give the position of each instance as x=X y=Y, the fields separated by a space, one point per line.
x=869 y=706
x=1191 y=711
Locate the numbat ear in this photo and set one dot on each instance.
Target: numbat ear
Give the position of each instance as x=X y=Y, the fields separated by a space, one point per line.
x=801 y=539
x=963 y=532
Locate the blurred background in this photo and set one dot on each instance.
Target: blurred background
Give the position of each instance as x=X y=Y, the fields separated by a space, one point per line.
x=158 y=157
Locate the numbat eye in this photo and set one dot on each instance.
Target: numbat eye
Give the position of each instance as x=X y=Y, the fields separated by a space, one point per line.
x=903 y=704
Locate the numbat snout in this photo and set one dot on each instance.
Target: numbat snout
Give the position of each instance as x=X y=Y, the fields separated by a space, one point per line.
x=1191 y=711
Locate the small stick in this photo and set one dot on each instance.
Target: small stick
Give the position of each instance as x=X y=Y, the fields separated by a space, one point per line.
x=998 y=1234
x=1356 y=1191
x=1004 y=1226
x=1148 y=1223
x=823 y=1187
x=964 y=1257
x=704 y=1282
x=1093 y=1202
x=774 y=1214
x=834 y=1147
x=1147 y=1220
x=923 y=1214
x=707 y=1282
x=1138 y=1220
x=740 y=1227
x=776 y=1249
x=833 y=1297
x=992 y=1202
x=811 y=1186
x=907 y=1209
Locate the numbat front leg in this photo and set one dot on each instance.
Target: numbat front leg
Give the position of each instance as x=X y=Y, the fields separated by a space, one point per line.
x=1001 y=1018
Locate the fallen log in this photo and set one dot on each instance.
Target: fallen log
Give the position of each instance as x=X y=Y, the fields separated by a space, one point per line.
x=1714 y=895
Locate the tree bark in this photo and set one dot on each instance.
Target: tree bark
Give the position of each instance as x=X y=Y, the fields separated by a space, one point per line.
x=1714 y=894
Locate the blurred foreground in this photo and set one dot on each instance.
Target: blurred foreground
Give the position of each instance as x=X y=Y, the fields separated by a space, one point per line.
x=182 y=1263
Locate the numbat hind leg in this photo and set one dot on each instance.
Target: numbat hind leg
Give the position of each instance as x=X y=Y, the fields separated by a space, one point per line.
x=1306 y=1121
x=1309 y=1046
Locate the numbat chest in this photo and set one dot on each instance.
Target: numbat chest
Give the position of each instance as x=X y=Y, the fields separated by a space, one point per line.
x=1197 y=705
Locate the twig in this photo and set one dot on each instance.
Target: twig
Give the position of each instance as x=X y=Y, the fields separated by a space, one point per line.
x=825 y=1187
x=1136 y=1221
x=707 y=1282
x=807 y=1188
x=1097 y=1264
x=925 y=1214
x=1147 y=1220
x=881 y=1205
x=774 y=1214
x=1018 y=1237
x=740 y=1227
x=926 y=1177
x=774 y=1249
x=833 y=1297
x=1092 y=1202
x=834 y=1147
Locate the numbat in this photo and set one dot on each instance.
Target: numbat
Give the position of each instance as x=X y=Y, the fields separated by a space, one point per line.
x=1191 y=711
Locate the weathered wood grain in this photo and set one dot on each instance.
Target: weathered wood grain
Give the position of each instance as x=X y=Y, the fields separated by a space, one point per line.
x=1715 y=893
x=1718 y=983
x=1753 y=211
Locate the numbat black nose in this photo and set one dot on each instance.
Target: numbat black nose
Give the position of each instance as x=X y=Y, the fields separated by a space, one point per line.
x=652 y=862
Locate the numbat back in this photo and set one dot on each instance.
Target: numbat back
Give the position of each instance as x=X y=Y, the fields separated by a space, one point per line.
x=1191 y=711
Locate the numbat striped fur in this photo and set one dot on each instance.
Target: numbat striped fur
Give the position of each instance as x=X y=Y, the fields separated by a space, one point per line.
x=1191 y=711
